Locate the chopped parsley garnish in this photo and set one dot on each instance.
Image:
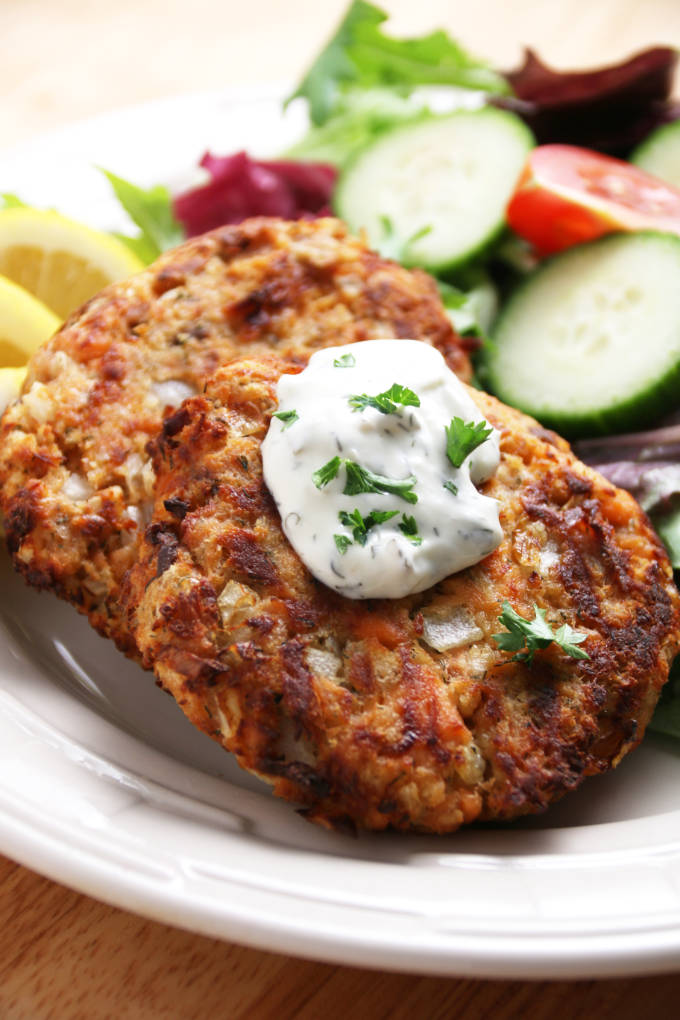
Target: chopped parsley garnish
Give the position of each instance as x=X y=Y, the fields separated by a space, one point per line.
x=345 y=361
x=452 y=487
x=525 y=637
x=464 y=437
x=362 y=525
x=359 y=479
x=387 y=401
x=409 y=527
x=327 y=473
x=343 y=542
x=287 y=417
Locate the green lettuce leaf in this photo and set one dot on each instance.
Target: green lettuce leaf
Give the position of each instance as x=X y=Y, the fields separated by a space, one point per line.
x=151 y=210
x=361 y=55
x=668 y=529
x=359 y=117
x=470 y=311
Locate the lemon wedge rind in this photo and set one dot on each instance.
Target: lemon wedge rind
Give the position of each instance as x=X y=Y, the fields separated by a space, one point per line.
x=60 y=261
x=25 y=323
x=11 y=381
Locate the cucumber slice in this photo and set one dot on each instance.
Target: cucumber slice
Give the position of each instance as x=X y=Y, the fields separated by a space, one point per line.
x=659 y=154
x=433 y=193
x=590 y=343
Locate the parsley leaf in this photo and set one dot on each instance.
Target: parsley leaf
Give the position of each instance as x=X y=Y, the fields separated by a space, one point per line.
x=287 y=417
x=362 y=525
x=327 y=473
x=567 y=638
x=361 y=55
x=343 y=542
x=150 y=210
x=452 y=487
x=464 y=437
x=345 y=361
x=387 y=401
x=409 y=527
x=525 y=637
x=360 y=479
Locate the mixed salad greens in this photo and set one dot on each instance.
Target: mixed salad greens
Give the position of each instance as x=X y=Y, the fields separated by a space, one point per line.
x=475 y=175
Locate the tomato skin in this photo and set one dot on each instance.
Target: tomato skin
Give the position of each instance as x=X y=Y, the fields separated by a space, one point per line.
x=566 y=195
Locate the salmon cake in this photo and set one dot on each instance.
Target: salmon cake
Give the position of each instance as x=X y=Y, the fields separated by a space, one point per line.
x=402 y=713
x=76 y=482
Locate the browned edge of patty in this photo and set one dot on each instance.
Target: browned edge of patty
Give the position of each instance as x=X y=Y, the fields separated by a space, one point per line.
x=259 y=287
x=400 y=734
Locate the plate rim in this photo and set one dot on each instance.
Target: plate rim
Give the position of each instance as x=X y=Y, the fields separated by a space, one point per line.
x=488 y=955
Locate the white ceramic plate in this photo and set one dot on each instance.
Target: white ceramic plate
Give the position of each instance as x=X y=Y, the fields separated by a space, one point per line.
x=106 y=787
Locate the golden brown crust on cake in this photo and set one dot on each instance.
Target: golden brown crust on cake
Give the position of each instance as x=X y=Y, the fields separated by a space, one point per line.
x=347 y=707
x=75 y=479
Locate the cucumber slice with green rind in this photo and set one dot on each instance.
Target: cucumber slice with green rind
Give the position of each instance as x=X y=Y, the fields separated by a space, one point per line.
x=590 y=342
x=433 y=192
x=659 y=154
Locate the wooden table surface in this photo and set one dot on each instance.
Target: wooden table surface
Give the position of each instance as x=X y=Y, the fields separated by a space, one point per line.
x=63 y=954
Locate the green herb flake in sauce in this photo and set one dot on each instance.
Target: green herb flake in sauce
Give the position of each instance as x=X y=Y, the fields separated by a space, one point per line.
x=346 y=361
x=343 y=542
x=409 y=527
x=359 y=479
x=386 y=402
x=327 y=473
x=362 y=525
x=287 y=417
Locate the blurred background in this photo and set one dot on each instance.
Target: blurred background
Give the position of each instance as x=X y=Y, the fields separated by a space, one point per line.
x=66 y=60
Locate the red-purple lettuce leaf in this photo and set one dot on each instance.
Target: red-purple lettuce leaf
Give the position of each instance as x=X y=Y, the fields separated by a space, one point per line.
x=241 y=187
x=609 y=109
x=647 y=464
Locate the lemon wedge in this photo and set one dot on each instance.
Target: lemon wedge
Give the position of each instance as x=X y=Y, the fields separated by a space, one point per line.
x=60 y=261
x=25 y=323
x=10 y=384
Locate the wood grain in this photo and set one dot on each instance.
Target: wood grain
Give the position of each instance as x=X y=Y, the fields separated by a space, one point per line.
x=64 y=955
x=68 y=957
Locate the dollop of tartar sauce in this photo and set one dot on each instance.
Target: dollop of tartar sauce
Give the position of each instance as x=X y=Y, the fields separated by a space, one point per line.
x=325 y=441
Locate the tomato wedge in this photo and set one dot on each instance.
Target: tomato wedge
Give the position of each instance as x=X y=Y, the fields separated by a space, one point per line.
x=566 y=195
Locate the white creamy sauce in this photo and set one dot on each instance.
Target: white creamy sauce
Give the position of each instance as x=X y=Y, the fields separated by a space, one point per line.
x=445 y=530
